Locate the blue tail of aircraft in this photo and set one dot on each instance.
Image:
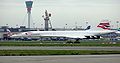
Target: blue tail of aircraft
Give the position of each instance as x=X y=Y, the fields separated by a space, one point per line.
x=88 y=28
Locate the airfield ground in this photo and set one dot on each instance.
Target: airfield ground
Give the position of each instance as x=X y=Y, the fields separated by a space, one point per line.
x=58 y=44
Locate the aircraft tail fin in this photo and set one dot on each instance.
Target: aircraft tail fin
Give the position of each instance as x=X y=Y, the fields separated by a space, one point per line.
x=104 y=25
x=88 y=28
x=9 y=32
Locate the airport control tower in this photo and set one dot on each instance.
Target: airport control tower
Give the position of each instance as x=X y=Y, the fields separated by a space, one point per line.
x=29 y=6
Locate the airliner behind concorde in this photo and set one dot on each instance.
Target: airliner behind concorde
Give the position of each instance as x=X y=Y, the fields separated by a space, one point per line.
x=83 y=34
x=106 y=26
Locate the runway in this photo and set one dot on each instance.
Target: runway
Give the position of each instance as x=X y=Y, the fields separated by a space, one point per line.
x=61 y=59
x=58 y=48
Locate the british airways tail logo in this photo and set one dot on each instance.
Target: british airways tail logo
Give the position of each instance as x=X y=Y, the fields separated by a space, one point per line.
x=105 y=26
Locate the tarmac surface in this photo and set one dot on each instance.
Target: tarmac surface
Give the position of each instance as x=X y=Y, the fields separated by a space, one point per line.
x=58 y=48
x=62 y=59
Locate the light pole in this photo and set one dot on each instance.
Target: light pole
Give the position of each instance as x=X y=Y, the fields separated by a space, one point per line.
x=117 y=24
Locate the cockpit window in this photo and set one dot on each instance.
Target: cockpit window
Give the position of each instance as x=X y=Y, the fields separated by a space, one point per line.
x=28 y=33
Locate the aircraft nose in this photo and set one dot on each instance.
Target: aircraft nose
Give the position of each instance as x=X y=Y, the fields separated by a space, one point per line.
x=14 y=35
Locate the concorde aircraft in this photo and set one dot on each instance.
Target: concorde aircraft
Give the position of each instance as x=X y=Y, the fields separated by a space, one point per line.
x=80 y=34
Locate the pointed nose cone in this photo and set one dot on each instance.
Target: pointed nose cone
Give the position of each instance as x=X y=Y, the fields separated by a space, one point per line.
x=13 y=35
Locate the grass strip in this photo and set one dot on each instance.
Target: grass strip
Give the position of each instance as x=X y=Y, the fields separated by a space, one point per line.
x=53 y=52
x=57 y=44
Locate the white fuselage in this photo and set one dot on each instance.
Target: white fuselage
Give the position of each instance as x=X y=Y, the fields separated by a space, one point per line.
x=70 y=34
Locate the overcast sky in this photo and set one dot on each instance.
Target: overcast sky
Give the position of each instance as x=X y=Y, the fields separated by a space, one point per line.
x=70 y=12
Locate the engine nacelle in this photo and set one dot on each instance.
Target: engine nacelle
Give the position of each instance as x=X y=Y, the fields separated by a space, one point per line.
x=92 y=37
